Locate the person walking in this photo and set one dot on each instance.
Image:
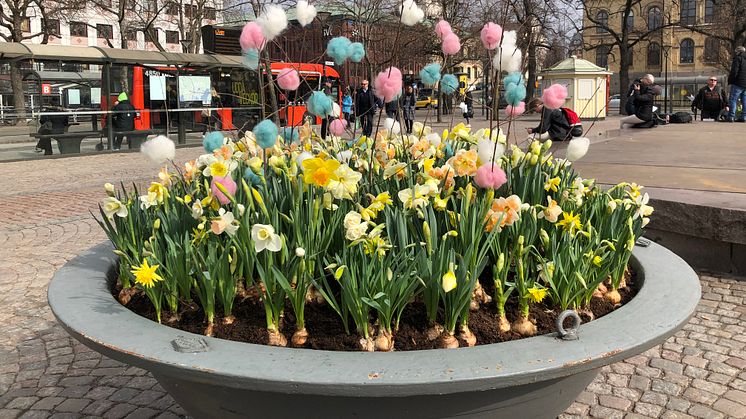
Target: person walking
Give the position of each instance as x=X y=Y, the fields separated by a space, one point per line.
x=737 y=81
x=365 y=107
x=325 y=120
x=711 y=100
x=469 y=101
x=553 y=123
x=347 y=106
x=642 y=95
x=408 y=102
x=123 y=119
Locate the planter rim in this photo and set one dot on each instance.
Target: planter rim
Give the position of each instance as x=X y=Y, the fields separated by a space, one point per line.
x=80 y=299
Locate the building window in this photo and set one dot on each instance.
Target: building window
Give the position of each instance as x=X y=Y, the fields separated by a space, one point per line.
x=654 y=55
x=210 y=13
x=190 y=11
x=172 y=9
x=712 y=50
x=654 y=18
x=104 y=31
x=78 y=29
x=151 y=35
x=688 y=12
x=686 y=51
x=602 y=56
x=172 y=37
x=631 y=20
x=602 y=20
x=709 y=11
x=26 y=24
x=130 y=35
x=52 y=26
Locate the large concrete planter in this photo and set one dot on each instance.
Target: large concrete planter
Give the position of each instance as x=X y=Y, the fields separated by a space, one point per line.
x=530 y=378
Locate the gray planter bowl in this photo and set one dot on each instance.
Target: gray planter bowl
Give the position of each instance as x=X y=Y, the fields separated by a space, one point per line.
x=537 y=377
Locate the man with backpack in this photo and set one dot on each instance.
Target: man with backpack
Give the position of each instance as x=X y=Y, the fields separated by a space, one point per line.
x=123 y=119
x=556 y=124
x=711 y=100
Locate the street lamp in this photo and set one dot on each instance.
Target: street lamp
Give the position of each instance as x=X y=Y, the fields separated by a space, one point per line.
x=666 y=49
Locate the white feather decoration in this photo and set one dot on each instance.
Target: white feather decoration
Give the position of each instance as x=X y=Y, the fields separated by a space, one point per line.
x=411 y=13
x=159 y=149
x=393 y=126
x=304 y=12
x=273 y=21
x=577 y=148
x=509 y=57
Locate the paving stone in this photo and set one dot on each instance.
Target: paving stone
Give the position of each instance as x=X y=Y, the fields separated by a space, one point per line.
x=98 y=407
x=578 y=409
x=119 y=410
x=72 y=405
x=675 y=415
x=666 y=387
x=640 y=383
x=701 y=411
x=679 y=404
x=730 y=408
x=22 y=403
x=605 y=412
x=47 y=403
x=35 y=414
x=699 y=396
x=648 y=409
x=124 y=394
x=614 y=402
x=654 y=398
x=708 y=386
x=142 y=413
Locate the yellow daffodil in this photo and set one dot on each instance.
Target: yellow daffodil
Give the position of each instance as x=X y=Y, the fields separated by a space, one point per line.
x=328 y=202
x=439 y=203
x=145 y=274
x=319 y=172
x=264 y=237
x=570 y=222
x=380 y=202
x=537 y=294
x=113 y=206
x=376 y=246
x=552 y=184
x=634 y=190
x=344 y=184
x=427 y=164
x=597 y=260
x=165 y=177
x=449 y=280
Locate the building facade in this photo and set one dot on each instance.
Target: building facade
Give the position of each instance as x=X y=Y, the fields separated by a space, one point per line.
x=664 y=42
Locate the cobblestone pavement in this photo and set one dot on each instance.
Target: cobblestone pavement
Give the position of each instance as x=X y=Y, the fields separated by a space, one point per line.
x=700 y=372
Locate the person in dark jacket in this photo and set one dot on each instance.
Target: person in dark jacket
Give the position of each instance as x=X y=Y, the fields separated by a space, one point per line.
x=643 y=96
x=123 y=119
x=629 y=108
x=365 y=107
x=408 y=102
x=553 y=123
x=469 y=102
x=711 y=99
x=51 y=124
x=737 y=81
x=325 y=121
x=391 y=109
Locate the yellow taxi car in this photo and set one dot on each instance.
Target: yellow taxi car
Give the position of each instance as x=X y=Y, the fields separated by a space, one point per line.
x=426 y=98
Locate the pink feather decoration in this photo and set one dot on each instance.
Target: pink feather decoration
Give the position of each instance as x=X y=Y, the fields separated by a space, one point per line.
x=451 y=44
x=554 y=96
x=516 y=110
x=491 y=35
x=442 y=28
x=228 y=183
x=337 y=127
x=490 y=176
x=388 y=84
x=251 y=37
x=288 y=79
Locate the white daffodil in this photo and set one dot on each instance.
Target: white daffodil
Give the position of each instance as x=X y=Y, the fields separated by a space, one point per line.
x=149 y=200
x=346 y=183
x=225 y=222
x=643 y=209
x=355 y=227
x=416 y=199
x=264 y=237
x=487 y=148
x=113 y=206
x=197 y=210
x=392 y=168
x=109 y=188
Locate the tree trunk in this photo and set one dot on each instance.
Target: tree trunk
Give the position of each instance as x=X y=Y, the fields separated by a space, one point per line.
x=19 y=100
x=270 y=86
x=623 y=78
x=531 y=82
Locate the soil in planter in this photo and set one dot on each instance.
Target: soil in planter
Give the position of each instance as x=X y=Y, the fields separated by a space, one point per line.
x=327 y=332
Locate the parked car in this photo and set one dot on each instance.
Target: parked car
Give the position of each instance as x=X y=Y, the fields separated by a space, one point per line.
x=426 y=98
x=614 y=102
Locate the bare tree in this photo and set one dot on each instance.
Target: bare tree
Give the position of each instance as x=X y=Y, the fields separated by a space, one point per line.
x=15 y=19
x=726 y=28
x=616 y=29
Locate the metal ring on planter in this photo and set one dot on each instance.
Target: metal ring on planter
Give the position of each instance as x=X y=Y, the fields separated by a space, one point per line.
x=572 y=332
